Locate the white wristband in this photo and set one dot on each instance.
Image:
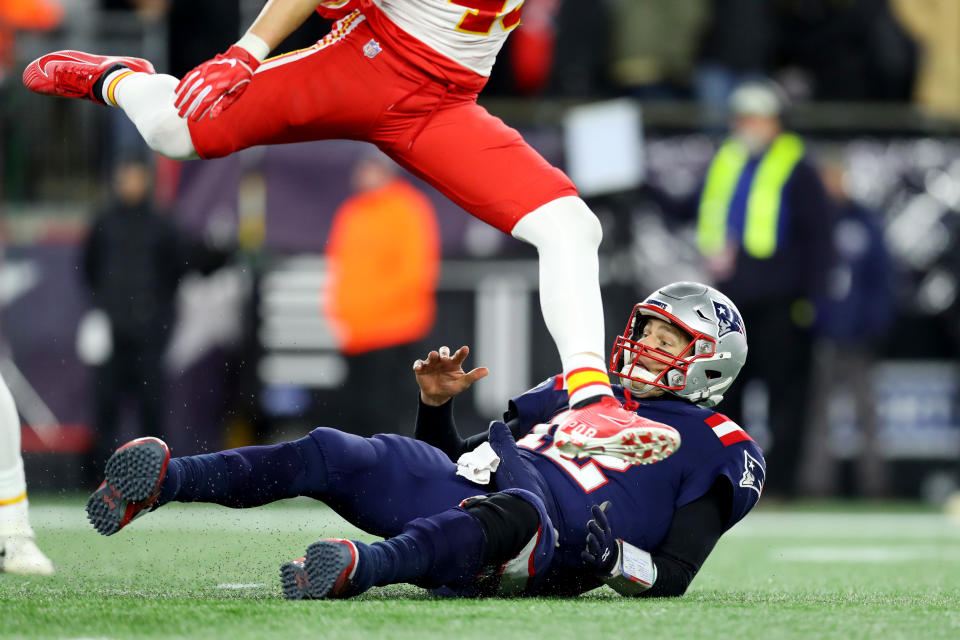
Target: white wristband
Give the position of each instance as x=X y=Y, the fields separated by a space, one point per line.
x=634 y=572
x=255 y=45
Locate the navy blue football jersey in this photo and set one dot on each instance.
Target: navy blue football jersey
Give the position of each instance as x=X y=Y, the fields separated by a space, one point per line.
x=643 y=498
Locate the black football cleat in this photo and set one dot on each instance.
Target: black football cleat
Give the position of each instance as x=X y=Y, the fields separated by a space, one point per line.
x=327 y=571
x=294 y=580
x=134 y=474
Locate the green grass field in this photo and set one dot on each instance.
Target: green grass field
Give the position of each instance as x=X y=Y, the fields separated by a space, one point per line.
x=198 y=571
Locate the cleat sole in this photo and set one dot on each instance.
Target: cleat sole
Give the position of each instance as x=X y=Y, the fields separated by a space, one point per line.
x=135 y=471
x=294 y=580
x=133 y=477
x=638 y=446
x=327 y=564
x=105 y=519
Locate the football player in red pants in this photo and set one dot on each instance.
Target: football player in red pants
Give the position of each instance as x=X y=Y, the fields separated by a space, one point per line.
x=404 y=75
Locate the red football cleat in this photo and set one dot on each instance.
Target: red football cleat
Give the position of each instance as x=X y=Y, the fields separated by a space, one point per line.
x=72 y=74
x=606 y=428
x=133 y=477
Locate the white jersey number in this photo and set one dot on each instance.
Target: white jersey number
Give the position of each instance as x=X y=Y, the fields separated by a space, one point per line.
x=590 y=476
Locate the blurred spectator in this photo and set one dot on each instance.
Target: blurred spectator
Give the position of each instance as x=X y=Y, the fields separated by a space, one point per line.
x=199 y=31
x=24 y=15
x=850 y=49
x=531 y=53
x=196 y=31
x=581 y=57
x=654 y=45
x=132 y=261
x=384 y=260
x=149 y=10
x=740 y=43
x=857 y=315
x=765 y=227
x=18 y=15
x=935 y=24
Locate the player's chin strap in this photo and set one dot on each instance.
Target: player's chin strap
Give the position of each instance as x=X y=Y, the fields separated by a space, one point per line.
x=634 y=571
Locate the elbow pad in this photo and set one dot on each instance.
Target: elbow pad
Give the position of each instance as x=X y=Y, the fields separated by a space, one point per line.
x=634 y=571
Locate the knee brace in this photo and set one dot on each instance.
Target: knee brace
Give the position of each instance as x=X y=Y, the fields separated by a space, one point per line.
x=520 y=541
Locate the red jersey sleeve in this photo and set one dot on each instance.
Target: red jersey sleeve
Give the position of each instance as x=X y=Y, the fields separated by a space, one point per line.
x=336 y=9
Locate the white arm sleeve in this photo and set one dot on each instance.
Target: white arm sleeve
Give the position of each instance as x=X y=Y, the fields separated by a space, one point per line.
x=634 y=571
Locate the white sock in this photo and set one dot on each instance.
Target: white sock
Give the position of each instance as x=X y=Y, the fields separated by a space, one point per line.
x=13 y=484
x=567 y=236
x=147 y=99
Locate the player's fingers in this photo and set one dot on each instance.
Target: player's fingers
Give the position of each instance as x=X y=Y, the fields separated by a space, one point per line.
x=199 y=106
x=444 y=352
x=593 y=545
x=476 y=374
x=433 y=357
x=600 y=517
x=594 y=529
x=186 y=89
x=461 y=354
x=417 y=364
x=588 y=558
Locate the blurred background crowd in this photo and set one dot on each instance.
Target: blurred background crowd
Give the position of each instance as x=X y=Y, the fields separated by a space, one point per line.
x=803 y=155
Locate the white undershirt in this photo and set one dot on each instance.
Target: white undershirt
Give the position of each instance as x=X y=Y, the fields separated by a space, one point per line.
x=437 y=23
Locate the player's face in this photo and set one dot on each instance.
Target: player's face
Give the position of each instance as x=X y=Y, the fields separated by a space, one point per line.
x=662 y=336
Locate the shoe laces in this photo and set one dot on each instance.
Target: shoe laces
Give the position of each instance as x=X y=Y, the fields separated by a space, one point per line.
x=628 y=402
x=74 y=79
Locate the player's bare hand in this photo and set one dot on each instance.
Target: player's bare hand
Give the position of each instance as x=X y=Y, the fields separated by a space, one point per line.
x=441 y=375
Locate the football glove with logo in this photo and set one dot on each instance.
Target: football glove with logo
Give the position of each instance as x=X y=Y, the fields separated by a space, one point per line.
x=601 y=553
x=626 y=569
x=216 y=84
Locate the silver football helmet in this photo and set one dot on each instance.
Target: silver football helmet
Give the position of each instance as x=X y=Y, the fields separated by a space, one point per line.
x=703 y=371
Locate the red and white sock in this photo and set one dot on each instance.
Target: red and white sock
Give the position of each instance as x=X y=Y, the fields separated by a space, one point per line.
x=586 y=377
x=567 y=236
x=110 y=83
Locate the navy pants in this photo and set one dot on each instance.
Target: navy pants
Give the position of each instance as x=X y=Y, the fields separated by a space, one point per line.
x=377 y=484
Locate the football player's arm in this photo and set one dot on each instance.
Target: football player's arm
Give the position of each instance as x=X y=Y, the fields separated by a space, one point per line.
x=436 y=426
x=211 y=87
x=668 y=570
x=440 y=377
x=693 y=534
x=279 y=18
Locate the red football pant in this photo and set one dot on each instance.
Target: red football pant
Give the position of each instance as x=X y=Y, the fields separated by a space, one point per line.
x=436 y=131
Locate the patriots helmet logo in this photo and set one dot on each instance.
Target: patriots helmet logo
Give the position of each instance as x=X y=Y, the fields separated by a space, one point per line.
x=728 y=320
x=657 y=303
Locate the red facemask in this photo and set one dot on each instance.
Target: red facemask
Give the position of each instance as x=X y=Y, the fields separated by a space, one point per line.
x=628 y=343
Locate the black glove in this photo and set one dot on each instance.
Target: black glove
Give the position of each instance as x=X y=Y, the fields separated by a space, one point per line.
x=602 y=552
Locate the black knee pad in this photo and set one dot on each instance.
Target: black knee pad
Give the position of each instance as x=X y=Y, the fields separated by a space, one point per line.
x=509 y=523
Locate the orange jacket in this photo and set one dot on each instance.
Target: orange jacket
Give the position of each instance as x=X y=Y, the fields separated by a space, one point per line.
x=384 y=258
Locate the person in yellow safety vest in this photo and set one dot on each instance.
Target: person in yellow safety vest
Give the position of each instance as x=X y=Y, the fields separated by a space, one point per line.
x=764 y=228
